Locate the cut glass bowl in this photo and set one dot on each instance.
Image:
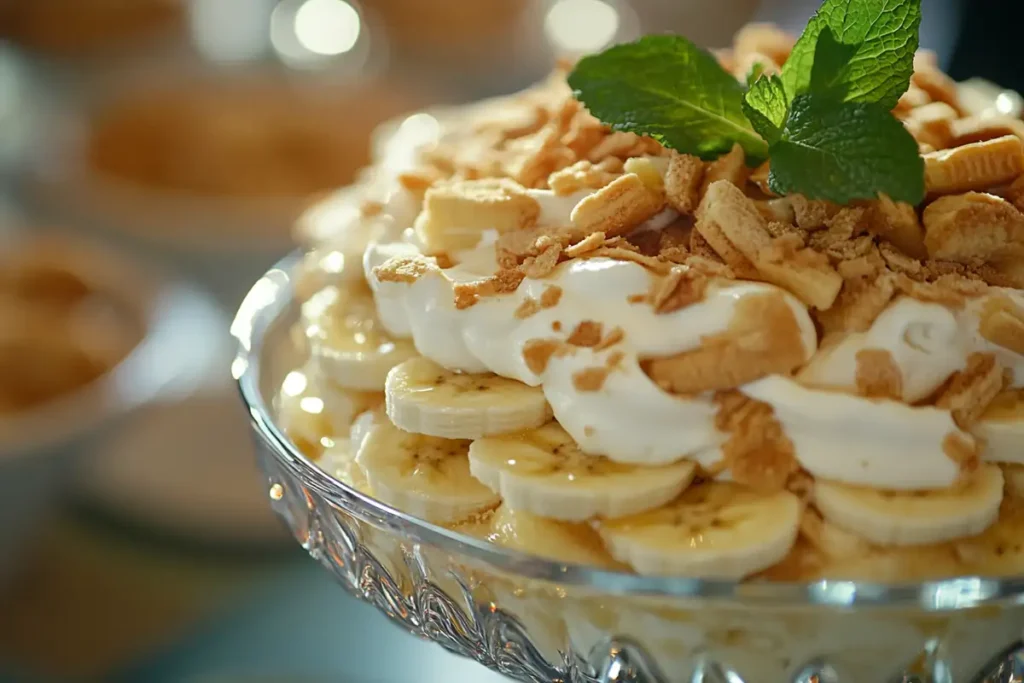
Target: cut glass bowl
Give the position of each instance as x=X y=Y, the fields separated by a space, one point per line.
x=538 y=621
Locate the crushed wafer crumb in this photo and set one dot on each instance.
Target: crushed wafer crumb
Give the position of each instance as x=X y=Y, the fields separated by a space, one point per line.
x=962 y=452
x=537 y=353
x=403 y=269
x=878 y=375
x=550 y=297
x=587 y=333
x=528 y=308
x=731 y=167
x=971 y=390
x=584 y=175
x=589 y=243
x=763 y=339
x=618 y=207
x=811 y=214
x=614 y=336
x=683 y=182
x=543 y=264
x=1002 y=323
x=679 y=289
x=972 y=228
x=757 y=452
x=590 y=379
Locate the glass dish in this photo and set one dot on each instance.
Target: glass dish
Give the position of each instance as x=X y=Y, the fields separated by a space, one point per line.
x=536 y=620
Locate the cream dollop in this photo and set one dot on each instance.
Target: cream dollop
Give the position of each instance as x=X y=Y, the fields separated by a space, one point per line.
x=879 y=443
x=924 y=340
x=628 y=418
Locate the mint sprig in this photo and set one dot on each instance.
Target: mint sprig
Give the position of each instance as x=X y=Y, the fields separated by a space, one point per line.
x=845 y=152
x=883 y=35
x=668 y=88
x=825 y=121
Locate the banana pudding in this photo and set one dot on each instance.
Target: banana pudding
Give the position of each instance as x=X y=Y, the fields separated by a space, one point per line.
x=579 y=342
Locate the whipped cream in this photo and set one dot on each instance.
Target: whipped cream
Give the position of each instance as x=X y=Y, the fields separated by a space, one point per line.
x=970 y=319
x=925 y=341
x=629 y=419
x=847 y=438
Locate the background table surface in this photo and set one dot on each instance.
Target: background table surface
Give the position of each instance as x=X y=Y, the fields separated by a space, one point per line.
x=100 y=602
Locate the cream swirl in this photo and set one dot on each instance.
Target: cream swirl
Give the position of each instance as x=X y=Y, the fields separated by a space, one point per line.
x=629 y=418
x=847 y=438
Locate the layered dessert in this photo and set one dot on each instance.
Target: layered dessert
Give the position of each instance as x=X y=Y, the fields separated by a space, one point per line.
x=581 y=343
x=59 y=330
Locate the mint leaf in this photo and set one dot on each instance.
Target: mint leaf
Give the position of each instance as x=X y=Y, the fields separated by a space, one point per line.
x=885 y=33
x=830 y=61
x=668 y=88
x=756 y=71
x=844 y=152
x=766 y=106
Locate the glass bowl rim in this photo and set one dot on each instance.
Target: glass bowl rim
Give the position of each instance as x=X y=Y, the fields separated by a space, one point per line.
x=271 y=298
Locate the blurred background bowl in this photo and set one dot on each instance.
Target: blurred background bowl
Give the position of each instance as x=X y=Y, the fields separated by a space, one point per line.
x=42 y=444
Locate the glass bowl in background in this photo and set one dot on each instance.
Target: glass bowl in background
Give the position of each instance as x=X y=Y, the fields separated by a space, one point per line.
x=135 y=174
x=539 y=621
x=42 y=446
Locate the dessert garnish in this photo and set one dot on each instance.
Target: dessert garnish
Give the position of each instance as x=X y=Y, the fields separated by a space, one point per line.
x=824 y=120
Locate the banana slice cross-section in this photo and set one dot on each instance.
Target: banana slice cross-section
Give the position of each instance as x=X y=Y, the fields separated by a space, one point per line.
x=424 y=398
x=545 y=473
x=913 y=517
x=714 y=529
x=348 y=342
x=421 y=475
x=339 y=461
x=571 y=543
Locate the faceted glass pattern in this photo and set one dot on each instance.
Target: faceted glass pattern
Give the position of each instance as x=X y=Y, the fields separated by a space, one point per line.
x=538 y=621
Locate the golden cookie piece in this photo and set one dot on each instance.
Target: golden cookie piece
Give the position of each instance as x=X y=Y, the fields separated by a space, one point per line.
x=618 y=207
x=977 y=166
x=1002 y=323
x=683 y=182
x=763 y=338
x=973 y=227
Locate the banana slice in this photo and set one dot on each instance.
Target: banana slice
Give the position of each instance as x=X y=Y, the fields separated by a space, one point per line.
x=339 y=461
x=315 y=414
x=421 y=475
x=347 y=341
x=713 y=530
x=424 y=398
x=363 y=425
x=544 y=472
x=913 y=518
x=558 y=541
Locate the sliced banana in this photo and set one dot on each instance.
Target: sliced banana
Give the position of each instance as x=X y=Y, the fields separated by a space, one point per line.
x=362 y=425
x=913 y=518
x=339 y=461
x=314 y=413
x=421 y=475
x=424 y=398
x=714 y=529
x=1002 y=428
x=545 y=473
x=347 y=341
x=560 y=541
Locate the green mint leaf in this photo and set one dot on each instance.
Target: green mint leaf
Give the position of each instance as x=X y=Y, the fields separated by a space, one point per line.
x=766 y=107
x=830 y=61
x=845 y=151
x=756 y=72
x=885 y=33
x=668 y=88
